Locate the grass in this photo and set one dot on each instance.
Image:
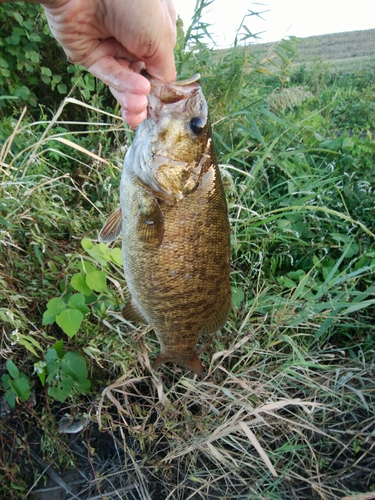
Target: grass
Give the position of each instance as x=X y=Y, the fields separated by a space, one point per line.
x=286 y=406
x=354 y=50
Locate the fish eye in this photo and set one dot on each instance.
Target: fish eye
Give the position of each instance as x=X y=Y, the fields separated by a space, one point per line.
x=196 y=125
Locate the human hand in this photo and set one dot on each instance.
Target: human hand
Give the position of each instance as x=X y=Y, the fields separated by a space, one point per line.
x=115 y=40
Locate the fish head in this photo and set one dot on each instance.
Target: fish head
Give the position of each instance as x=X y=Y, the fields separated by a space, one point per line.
x=176 y=139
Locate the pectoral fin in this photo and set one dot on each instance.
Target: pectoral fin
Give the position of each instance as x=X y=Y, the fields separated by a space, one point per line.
x=150 y=223
x=112 y=228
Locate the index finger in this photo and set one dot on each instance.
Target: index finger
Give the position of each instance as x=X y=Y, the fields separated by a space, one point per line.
x=120 y=75
x=161 y=65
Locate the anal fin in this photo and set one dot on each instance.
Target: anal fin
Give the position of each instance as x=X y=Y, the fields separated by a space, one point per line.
x=131 y=313
x=219 y=319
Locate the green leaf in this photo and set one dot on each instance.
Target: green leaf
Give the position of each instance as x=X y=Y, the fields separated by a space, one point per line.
x=45 y=71
x=19 y=31
x=85 y=267
x=74 y=365
x=87 y=244
x=3 y=63
x=18 y=17
x=47 y=32
x=333 y=144
x=62 y=390
x=286 y=282
x=48 y=318
x=284 y=224
x=70 y=320
x=62 y=88
x=34 y=37
x=296 y=275
x=347 y=145
x=90 y=299
x=237 y=297
x=34 y=56
x=12 y=369
x=10 y=399
x=6 y=73
x=86 y=94
x=77 y=301
x=23 y=92
x=14 y=39
x=97 y=281
x=21 y=386
x=56 y=78
x=89 y=82
x=352 y=250
x=52 y=364
x=78 y=282
x=45 y=79
x=5 y=380
x=116 y=256
x=100 y=252
x=56 y=305
x=83 y=385
x=58 y=347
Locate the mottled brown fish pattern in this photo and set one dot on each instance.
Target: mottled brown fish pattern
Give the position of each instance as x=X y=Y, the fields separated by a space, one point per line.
x=174 y=224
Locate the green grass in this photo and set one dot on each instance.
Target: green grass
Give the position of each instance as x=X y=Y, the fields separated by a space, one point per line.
x=286 y=406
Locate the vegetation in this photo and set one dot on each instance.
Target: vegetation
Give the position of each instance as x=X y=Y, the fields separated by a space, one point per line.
x=351 y=50
x=286 y=407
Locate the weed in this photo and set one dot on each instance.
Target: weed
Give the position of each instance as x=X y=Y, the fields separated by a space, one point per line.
x=16 y=384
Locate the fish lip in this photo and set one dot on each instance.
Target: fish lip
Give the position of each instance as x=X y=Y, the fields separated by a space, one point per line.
x=182 y=90
x=187 y=81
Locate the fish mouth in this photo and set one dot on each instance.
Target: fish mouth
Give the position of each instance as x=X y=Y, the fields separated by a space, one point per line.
x=172 y=92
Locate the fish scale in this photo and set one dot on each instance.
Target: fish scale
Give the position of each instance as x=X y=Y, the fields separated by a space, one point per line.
x=174 y=223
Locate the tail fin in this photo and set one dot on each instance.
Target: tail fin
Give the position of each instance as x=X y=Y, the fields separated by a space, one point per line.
x=192 y=363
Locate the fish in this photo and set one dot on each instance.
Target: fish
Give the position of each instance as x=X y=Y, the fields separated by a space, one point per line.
x=173 y=217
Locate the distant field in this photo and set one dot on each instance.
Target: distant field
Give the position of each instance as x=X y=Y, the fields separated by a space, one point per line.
x=351 y=49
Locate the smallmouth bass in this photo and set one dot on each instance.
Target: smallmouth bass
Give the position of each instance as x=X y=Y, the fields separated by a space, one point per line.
x=174 y=224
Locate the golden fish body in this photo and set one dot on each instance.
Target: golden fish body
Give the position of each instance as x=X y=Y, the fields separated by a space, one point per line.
x=174 y=223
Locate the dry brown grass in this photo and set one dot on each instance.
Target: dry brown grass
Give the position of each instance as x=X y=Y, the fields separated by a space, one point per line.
x=258 y=422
